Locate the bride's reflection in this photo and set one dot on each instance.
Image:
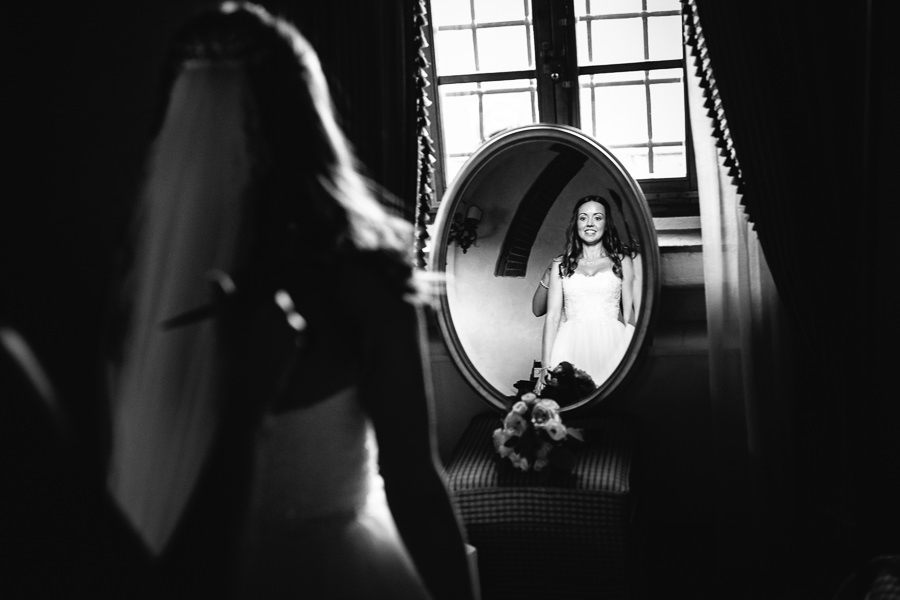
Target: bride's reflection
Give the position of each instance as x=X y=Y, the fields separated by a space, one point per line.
x=493 y=308
x=588 y=297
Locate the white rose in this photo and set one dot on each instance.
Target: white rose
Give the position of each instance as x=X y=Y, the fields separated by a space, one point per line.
x=556 y=430
x=548 y=404
x=519 y=461
x=544 y=410
x=515 y=423
x=500 y=436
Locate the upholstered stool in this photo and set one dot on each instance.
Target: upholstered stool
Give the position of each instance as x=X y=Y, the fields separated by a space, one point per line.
x=548 y=535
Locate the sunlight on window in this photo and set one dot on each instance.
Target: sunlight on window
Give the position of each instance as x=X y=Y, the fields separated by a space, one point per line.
x=635 y=160
x=661 y=5
x=450 y=12
x=667 y=112
x=607 y=7
x=460 y=109
x=621 y=114
x=453 y=165
x=473 y=112
x=616 y=41
x=457 y=53
x=508 y=109
x=492 y=37
x=497 y=11
x=636 y=112
x=503 y=49
x=669 y=161
x=664 y=37
x=633 y=111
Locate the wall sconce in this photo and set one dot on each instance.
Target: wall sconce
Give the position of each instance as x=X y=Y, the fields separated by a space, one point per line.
x=464 y=230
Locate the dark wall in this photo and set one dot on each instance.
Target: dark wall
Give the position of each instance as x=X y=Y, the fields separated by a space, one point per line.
x=81 y=84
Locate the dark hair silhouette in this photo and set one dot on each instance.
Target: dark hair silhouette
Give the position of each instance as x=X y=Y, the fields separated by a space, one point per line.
x=249 y=183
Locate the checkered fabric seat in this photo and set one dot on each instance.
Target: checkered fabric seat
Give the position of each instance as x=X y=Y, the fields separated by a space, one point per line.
x=542 y=535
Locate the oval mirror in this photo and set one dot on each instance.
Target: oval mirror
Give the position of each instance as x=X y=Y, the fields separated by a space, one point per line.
x=499 y=226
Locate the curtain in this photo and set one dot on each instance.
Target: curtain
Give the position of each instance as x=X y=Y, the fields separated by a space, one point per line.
x=427 y=156
x=370 y=53
x=374 y=55
x=809 y=144
x=748 y=368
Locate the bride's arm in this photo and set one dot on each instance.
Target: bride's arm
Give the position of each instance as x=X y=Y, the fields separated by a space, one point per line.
x=551 y=322
x=627 y=290
x=637 y=285
x=396 y=390
x=539 y=299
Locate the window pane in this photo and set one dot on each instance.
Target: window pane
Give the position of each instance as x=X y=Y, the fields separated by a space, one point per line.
x=657 y=5
x=665 y=37
x=452 y=166
x=667 y=112
x=614 y=114
x=450 y=12
x=461 y=120
x=669 y=161
x=608 y=7
x=473 y=112
x=492 y=11
x=507 y=109
x=635 y=160
x=638 y=115
x=621 y=114
x=503 y=49
x=454 y=52
x=616 y=41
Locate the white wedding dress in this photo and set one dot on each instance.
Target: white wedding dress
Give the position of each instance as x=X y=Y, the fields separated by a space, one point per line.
x=321 y=525
x=591 y=337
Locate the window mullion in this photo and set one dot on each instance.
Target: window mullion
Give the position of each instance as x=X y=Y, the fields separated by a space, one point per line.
x=543 y=48
x=645 y=26
x=555 y=61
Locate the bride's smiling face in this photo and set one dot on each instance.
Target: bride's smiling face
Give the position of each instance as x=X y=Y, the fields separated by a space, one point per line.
x=591 y=222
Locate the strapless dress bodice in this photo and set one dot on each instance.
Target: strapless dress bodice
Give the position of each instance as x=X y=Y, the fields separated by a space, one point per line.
x=320 y=519
x=589 y=296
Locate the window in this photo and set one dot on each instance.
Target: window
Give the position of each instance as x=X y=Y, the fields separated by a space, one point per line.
x=614 y=68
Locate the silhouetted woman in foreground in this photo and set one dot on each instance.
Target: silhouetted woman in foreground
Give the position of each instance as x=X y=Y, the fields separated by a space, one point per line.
x=271 y=353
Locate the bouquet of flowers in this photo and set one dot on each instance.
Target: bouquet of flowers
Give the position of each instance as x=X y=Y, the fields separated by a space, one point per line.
x=568 y=384
x=534 y=437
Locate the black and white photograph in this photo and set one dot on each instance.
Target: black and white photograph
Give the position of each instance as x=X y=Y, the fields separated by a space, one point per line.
x=450 y=300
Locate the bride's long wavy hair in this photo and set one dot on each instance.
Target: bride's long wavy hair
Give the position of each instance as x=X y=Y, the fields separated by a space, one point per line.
x=574 y=245
x=248 y=173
